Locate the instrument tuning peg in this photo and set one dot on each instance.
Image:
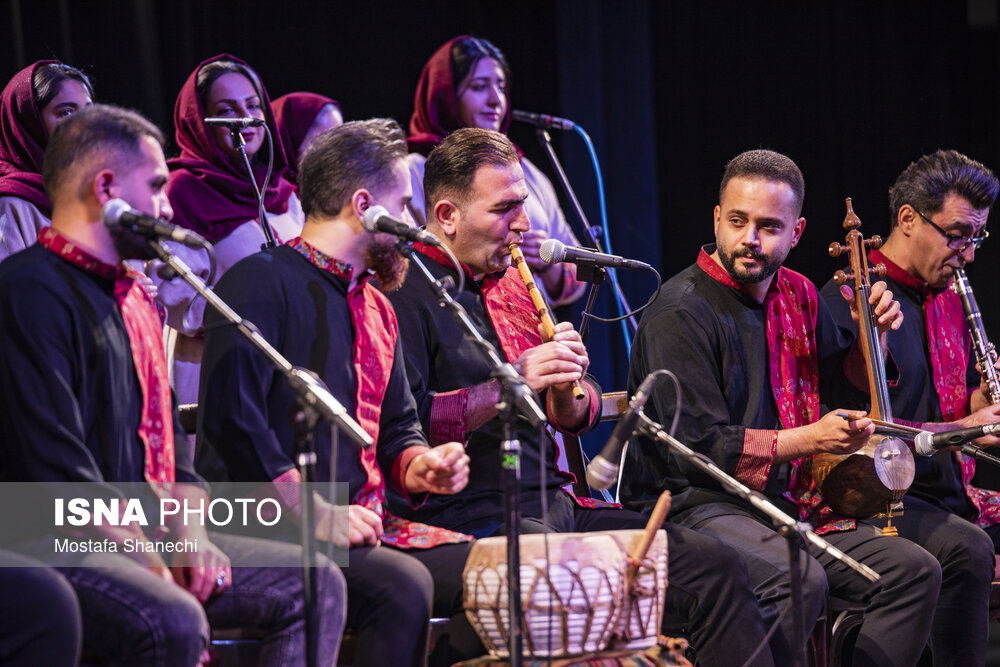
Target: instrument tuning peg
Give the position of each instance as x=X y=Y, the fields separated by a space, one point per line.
x=878 y=270
x=874 y=241
x=841 y=277
x=851 y=221
x=837 y=249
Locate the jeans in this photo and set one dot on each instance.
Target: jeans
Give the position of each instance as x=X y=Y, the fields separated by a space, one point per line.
x=133 y=617
x=39 y=616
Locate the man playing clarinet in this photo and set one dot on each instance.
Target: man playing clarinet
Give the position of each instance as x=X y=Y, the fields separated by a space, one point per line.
x=475 y=196
x=939 y=206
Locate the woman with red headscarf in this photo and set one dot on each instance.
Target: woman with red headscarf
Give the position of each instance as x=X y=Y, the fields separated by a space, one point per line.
x=465 y=84
x=300 y=117
x=210 y=192
x=31 y=105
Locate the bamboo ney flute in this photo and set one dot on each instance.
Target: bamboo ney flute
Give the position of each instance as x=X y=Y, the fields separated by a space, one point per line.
x=548 y=325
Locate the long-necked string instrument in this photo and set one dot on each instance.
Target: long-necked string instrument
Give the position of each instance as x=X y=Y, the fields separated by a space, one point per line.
x=872 y=480
x=986 y=354
x=548 y=324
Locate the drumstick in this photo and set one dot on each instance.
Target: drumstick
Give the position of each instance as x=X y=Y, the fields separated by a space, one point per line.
x=548 y=325
x=652 y=526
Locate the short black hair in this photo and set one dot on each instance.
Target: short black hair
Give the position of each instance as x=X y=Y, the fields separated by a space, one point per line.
x=340 y=161
x=451 y=166
x=926 y=183
x=767 y=165
x=94 y=138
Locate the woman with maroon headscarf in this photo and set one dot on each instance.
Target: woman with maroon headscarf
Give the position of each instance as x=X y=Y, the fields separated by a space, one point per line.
x=300 y=117
x=210 y=192
x=31 y=105
x=465 y=84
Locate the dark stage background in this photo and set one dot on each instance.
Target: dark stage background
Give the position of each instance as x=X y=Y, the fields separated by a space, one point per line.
x=669 y=91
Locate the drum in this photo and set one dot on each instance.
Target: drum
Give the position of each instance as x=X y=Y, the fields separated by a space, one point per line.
x=573 y=596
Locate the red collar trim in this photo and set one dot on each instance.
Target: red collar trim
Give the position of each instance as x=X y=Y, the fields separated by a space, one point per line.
x=320 y=259
x=75 y=255
x=719 y=274
x=440 y=256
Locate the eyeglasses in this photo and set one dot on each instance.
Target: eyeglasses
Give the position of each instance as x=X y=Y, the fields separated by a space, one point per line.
x=957 y=241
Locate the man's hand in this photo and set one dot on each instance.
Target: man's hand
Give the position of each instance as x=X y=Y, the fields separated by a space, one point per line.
x=886 y=309
x=831 y=434
x=362 y=526
x=987 y=415
x=557 y=363
x=443 y=469
x=200 y=572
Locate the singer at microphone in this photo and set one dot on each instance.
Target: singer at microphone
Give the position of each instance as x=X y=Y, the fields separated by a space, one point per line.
x=554 y=251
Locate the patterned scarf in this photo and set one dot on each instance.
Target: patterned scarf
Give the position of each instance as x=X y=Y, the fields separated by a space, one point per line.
x=145 y=335
x=376 y=331
x=790 y=308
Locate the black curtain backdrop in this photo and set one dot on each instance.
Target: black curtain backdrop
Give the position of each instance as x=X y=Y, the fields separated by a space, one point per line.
x=669 y=91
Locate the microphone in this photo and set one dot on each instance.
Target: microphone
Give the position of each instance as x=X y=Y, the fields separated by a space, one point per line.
x=926 y=443
x=602 y=471
x=235 y=123
x=553 y=251
x=377 y=219
x=117 y=214
x=542 y=120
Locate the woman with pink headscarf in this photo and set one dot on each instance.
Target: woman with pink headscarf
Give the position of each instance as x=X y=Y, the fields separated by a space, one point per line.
x=466 y=84
x=31 y=105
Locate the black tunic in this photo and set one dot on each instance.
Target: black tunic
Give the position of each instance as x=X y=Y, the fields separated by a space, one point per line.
x=714 y=339
x=439 y=358
x=246 y=407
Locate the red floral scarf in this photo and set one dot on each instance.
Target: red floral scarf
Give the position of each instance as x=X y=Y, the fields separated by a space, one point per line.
x=145 y=334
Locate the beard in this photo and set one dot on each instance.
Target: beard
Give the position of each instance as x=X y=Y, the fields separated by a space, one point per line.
x=386 y=263
x=769 y=265
x=131 y=245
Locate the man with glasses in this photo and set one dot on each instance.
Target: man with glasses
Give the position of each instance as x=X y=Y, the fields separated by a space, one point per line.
x=939 y=206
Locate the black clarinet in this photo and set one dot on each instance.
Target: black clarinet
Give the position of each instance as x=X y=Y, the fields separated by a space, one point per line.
x=986 y=354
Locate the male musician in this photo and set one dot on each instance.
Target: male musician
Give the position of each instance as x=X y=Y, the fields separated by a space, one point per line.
x=84 y=393
x=312 y=299
x=939 y=205
x=475 y=204
x=755 y=350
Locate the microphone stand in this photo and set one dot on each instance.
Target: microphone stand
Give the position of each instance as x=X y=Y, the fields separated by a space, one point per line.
x=315 y=402
x=595 y=275
x=241 y=146
x=594 y=233
x=515 y=398
x=795 y=532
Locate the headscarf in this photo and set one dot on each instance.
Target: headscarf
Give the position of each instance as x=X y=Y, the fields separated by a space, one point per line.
x=210 y=194
x=23 y=138
x=435 y=107
x=295 y=113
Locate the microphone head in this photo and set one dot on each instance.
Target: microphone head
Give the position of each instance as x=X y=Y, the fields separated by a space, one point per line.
x=112 y=211
x=923 y=443
x=601 y=473
x=552 y=251
x=370 y=219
